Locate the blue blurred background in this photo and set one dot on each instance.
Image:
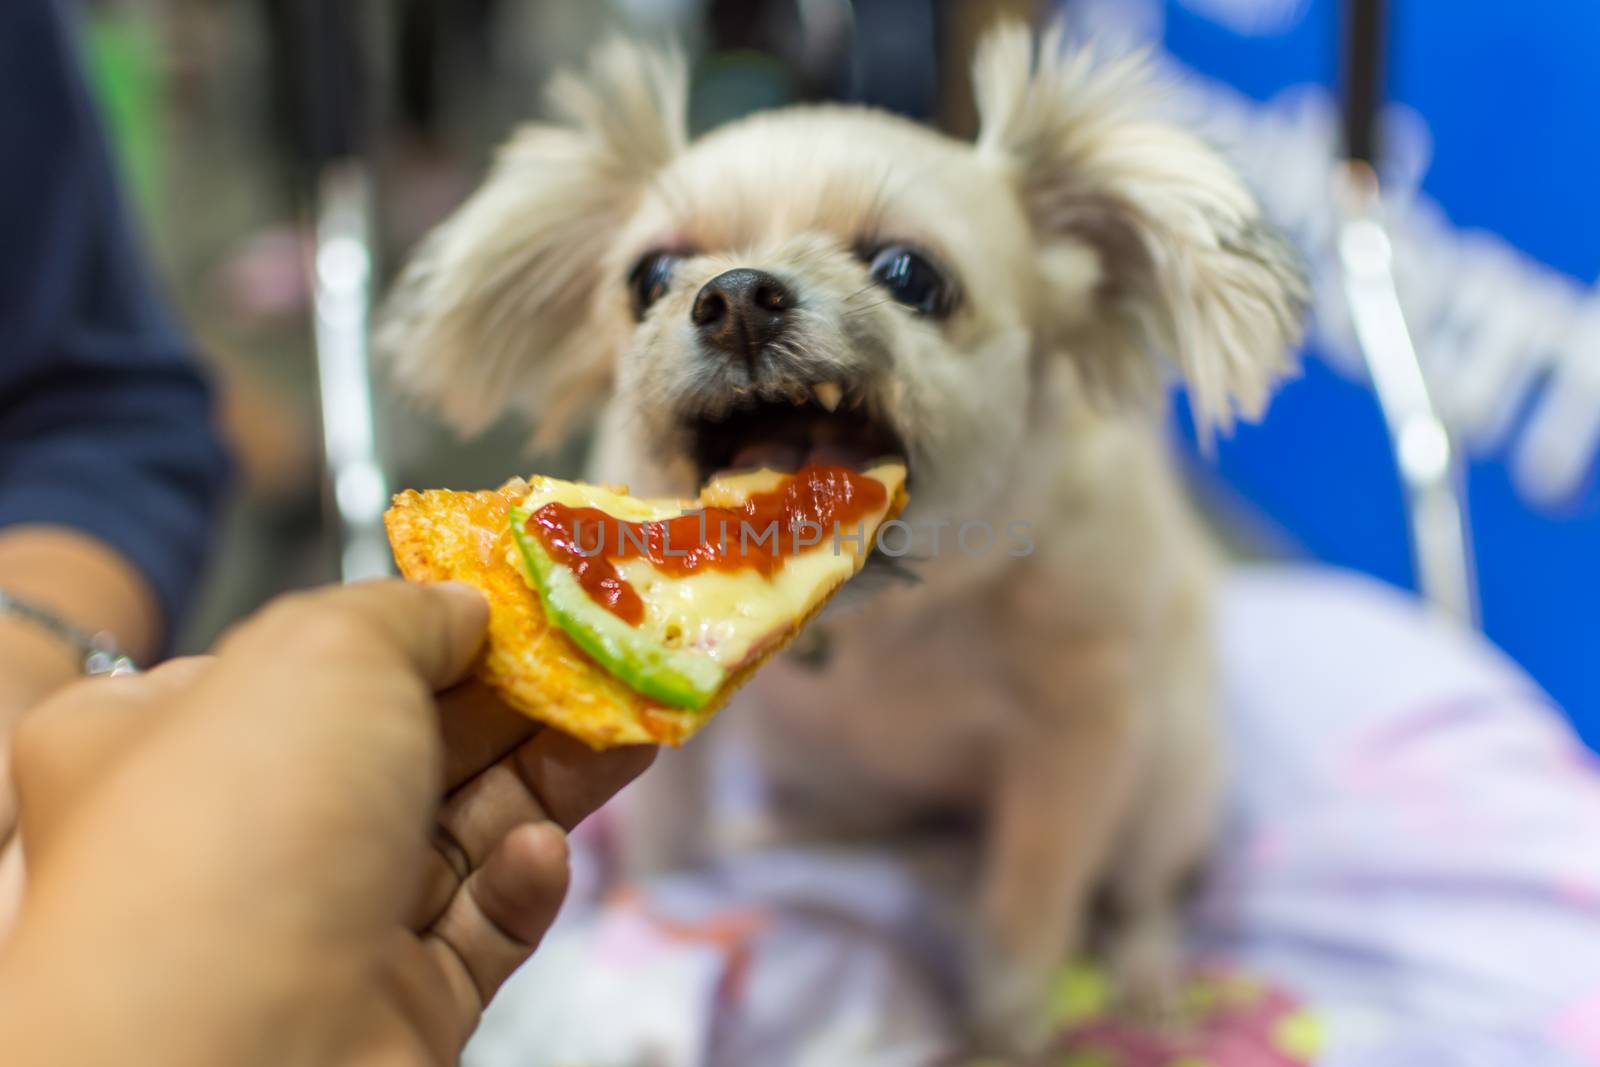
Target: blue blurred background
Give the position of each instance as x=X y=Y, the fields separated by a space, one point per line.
x=1496 y=139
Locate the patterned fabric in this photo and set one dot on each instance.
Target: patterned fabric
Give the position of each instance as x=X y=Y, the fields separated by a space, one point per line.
x=1410 y=877
x=1227 y=1018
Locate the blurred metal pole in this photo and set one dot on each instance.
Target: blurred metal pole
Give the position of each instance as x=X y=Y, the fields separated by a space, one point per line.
x=1430 y=465
x=325 y=74
x=341 y=299
x=1429 y=462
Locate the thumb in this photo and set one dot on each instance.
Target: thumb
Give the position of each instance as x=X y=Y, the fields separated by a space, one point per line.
x=428 y=631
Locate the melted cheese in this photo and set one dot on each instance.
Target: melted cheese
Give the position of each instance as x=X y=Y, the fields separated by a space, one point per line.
x=725 y=618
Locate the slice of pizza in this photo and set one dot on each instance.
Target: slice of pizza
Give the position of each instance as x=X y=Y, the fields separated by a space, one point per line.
x=623 y=620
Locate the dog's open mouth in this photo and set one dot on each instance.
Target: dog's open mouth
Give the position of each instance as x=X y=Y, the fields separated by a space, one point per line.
x=825 y=426
x=786 y=435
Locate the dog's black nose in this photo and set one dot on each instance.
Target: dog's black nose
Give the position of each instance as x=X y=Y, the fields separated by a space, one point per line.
x=742 y=311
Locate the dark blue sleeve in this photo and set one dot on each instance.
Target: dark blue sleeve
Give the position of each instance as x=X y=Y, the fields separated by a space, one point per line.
x=105 y=420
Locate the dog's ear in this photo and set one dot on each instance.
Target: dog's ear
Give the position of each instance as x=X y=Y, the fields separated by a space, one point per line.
x=1151 y=242
x=490 y=314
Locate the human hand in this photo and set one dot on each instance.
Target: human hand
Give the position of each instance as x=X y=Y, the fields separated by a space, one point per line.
x=245 y=858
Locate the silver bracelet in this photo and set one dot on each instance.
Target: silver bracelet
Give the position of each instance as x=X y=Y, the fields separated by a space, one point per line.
x=97 y=652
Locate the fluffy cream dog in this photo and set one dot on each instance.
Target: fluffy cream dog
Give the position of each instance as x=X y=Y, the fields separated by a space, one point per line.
x=834 y=282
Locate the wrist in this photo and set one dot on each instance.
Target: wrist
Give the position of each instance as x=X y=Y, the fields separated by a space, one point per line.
x=94 y=652
x=81 y=581
x=33 y=663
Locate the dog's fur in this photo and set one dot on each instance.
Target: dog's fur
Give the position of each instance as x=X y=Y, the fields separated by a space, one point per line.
x=1065 y=695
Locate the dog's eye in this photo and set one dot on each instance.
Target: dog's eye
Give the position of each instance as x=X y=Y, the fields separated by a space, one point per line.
x=912 y=280
x=648 y=280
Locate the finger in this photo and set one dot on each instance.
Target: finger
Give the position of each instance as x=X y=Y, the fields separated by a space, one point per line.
x=12 y=880
x=347 y=678
x=166 y=680
x=432 y=630
x=551 y=777
x=472 y=822
x=478 y=730
x=173 y=676
x=82 y=729
x=570 y=779
x=497 y=918
x=68 y=743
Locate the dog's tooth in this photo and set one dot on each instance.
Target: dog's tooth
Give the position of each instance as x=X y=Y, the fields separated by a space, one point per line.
x=828 y=394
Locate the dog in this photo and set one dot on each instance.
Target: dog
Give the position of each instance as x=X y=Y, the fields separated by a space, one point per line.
x=834 y=281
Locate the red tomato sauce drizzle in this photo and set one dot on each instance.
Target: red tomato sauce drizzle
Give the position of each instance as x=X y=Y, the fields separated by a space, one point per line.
x=590 y=542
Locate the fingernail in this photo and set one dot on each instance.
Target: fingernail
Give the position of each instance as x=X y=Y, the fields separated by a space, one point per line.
x=470 y=612
x=554 y=834
x=462 y=591
x=466 y=623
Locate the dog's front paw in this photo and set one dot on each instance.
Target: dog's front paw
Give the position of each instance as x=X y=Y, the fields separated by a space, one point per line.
x=1144 y=955
x=1007 y=1004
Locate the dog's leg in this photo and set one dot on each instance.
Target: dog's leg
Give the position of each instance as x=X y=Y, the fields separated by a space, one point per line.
x=1063 y=783
x=1171 y=825
x=1162 y=848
